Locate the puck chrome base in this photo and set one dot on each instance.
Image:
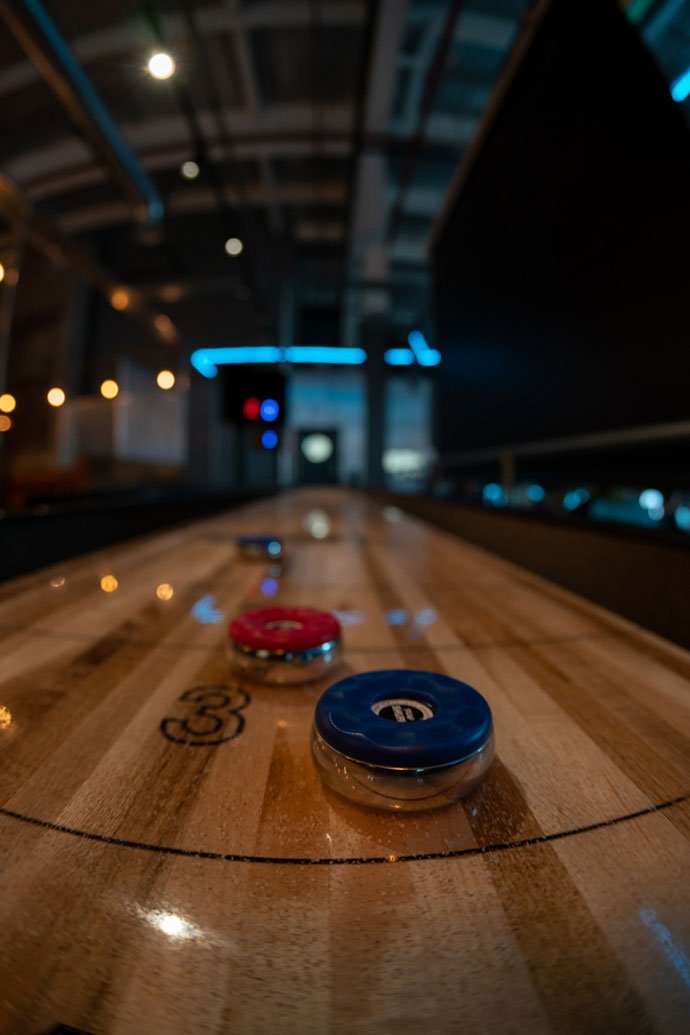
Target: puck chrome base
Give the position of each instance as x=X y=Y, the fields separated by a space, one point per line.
x=400 y=790
x=402 y=740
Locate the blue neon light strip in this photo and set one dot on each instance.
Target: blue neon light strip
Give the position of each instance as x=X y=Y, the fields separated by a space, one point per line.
x=207 y=361
x=430 y=358
x=680 y=87
x=399 y=357
x=417 y=343
x=324 y=354
x=425 y=356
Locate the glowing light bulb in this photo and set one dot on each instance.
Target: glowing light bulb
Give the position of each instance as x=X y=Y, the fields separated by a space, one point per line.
x=190 y=170
x=233 y=246
x=56 y=397
x=317 y=447
x=2 y=273
x=161 y=65
x=165 y=379
x=109 y=583
x=5 y=422
x=165 y=591
x=109 y=389
x=7 y=403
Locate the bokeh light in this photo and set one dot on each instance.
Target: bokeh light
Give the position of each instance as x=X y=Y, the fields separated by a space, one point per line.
x=317 y=448
x=190 y=170
x=251 y=409
x=161 y=65
x=269 y=410
x=651 y=499
x=119 y=299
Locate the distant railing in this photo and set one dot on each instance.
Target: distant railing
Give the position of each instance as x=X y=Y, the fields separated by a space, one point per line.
x=506 y=455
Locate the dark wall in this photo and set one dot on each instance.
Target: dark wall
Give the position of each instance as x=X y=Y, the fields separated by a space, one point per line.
x=563 y=272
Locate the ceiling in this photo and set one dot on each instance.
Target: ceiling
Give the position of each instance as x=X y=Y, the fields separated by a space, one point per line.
x=327 y=132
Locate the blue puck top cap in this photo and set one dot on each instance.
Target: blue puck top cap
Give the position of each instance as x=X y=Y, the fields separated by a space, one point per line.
x=402 y=718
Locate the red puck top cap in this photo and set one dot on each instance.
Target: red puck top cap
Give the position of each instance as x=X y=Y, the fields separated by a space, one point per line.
x=284 y=628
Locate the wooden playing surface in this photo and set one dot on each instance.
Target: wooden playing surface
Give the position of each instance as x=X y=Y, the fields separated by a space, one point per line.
x=170 y=862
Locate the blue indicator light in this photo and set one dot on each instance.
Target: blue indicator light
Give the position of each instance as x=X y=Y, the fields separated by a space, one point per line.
x=535 y=493
x=399 y=358
x=269 y=440
x=680 y=87
x=269 y=409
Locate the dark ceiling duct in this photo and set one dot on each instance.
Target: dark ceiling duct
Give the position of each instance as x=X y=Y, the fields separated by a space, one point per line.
x=47 y=49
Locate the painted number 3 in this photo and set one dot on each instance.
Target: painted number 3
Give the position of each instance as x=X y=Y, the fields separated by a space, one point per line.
x=214 y=715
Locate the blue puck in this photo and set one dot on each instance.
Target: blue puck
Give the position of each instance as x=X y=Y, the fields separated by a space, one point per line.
x=401 y=718
x=260 y=545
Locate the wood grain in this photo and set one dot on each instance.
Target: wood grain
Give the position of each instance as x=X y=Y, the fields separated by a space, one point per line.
x=166 y=869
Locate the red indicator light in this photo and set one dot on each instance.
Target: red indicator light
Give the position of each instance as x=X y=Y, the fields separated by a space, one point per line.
x=251 y=408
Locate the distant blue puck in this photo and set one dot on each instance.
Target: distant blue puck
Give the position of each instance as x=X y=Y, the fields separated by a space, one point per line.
x=402 y=718
x=260 y=545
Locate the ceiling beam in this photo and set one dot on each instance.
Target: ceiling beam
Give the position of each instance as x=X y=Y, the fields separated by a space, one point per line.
x=118 y=39
x=38 y=35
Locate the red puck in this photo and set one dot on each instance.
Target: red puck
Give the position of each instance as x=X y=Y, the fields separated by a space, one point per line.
x=292 y=629
x=284 y=644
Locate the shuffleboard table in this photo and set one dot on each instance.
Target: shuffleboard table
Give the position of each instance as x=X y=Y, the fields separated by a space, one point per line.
x=170 y=861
